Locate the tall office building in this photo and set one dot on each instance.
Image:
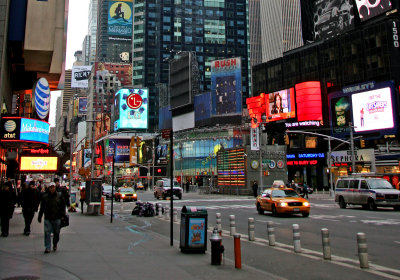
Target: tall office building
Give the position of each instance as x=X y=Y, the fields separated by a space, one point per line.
x=255 y=32
x=92 y=30
x=281 y=31
x=114 y=31
x=212 y=29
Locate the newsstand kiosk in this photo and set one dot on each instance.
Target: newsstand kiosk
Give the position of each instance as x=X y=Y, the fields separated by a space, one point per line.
x=193 y=229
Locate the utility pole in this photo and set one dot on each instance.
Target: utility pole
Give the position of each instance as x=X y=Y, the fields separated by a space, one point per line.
x=353 y=163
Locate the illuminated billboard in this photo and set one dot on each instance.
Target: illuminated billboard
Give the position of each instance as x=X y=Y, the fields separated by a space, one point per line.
x=332 y=18
x=34 y=130
x=369 y=9
x=120 y=20
x=131 y=107
x=340 y=113
x=280 y=105
x=372 y=110
x=38 y=163
x=82 y=107
x=308 y=100
x=121 y=148
x=226 y=86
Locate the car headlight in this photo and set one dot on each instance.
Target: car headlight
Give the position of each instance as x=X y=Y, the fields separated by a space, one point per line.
x=134 y=195
x=123 y=195
x=283 y=204
x=306 y=204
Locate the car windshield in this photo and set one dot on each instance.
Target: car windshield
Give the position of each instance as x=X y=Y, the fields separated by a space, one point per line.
x=379 y=184
x=167 y=184
x=284 y=193
x=106 y=187
x=126 y=190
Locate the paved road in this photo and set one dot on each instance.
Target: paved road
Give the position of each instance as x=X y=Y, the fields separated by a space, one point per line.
x=381 y=227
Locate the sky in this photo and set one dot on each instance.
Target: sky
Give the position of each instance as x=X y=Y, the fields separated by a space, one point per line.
x=78 y=13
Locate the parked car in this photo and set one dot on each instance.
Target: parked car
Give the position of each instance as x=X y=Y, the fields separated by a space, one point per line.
x=282 y=200
x=163 y=187
x=107 y=190
x=125 y=194
x=369 y=192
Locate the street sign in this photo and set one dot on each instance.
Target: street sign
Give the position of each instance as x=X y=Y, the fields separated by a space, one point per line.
x=166 y=133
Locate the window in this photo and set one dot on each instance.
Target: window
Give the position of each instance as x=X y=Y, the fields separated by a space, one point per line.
x=342 y=184
x=353 y=184
x=364 y=185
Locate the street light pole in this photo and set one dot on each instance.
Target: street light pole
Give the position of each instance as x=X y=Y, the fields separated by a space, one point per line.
x=71 y=145
x=353 y=163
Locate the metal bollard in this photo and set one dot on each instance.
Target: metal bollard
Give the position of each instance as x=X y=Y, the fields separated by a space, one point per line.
x=238 y=253
x=175 y=214
x=232 y=224
x=122 y=207
x=296 y=238
x=362 y=249
x=326 y=246
x=251 y=229
x=159 y=209
x=167 y=215
x=217 y=249
x=218 y=221
x=271 y=233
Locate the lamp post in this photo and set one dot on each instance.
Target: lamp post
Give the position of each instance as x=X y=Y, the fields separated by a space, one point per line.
x=112 y=183
x=71 y=145
x=261 y=126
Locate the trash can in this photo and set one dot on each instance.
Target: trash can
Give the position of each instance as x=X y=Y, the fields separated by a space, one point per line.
x=193 y=229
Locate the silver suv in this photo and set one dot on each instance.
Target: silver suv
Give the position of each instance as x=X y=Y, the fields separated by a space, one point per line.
x=368 y=192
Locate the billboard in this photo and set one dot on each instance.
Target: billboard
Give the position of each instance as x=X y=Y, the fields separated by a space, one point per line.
x=102 y=125
x=145 y=152
x=280 y=105
x=372 y=110
x=308 y=100
x=82 y=106
x=202 y=109
x=80 y=76
x=226 y=86
x=180 y=82
x=332 y=17
x=34 y=130
x=120 y=20
x=121 y=148
x=369 y=9
x=10 y=128
x=132 y=107
x=41 y=164
x=340 y=113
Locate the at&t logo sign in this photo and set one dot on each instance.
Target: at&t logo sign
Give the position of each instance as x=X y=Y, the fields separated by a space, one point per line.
x=9 y=127
x=134 y=101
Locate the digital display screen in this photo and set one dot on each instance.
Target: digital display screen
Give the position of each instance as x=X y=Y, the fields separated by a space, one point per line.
x=34 y=130
x=332 y=17
x=370 y=9
x=226 y=86
x=133 y=108
x=38 y=163
x=372 y=110
x=280 y=105
x=120 y=19
x=340 y=114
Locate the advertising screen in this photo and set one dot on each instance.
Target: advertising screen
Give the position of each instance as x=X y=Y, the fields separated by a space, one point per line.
x=82 y=109
x=38 y=163
x=226 y=86
x=370 y=9
x=120 y=20
x=121 y=148
x=372 y=110
x=34 y=130
x=132 y=107
x=280 y=105
x=340 y=114
x=202 y=108
x=145 y=152
x=332 y=17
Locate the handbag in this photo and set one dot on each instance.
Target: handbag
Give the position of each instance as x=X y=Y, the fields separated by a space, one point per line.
x=64 y=221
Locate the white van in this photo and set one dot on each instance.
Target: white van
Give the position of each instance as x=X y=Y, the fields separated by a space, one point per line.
x=369 y=192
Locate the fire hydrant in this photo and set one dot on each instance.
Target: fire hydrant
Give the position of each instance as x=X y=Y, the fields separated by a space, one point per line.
x=216 y=248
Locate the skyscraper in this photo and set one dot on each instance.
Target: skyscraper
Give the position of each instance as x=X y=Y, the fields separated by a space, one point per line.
x=281 y=31
x=212 y=29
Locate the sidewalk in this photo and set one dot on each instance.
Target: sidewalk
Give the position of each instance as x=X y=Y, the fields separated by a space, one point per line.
x=139 y=248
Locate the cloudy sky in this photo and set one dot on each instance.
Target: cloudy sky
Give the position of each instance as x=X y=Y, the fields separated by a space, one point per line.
x=77 y=29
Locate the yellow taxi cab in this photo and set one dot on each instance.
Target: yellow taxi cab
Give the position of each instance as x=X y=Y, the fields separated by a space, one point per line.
x=282 y=200
x=125 y=193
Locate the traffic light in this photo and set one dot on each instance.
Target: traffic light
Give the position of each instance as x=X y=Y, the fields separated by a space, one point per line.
x=362 y=143
x=138 y=141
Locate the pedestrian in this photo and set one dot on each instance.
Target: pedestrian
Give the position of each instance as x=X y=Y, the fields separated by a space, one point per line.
x=187 y=186
x=8 y=199
x=30 y=204
x=63 y=190
x=305 y=190
x=52 y=206
x=83 y=197
x=255 y=188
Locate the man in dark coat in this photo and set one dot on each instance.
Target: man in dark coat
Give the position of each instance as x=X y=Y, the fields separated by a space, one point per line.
x=30 y=203
x=63 y=190
x=52 y=206
x=255 y=188
x=8 y=199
